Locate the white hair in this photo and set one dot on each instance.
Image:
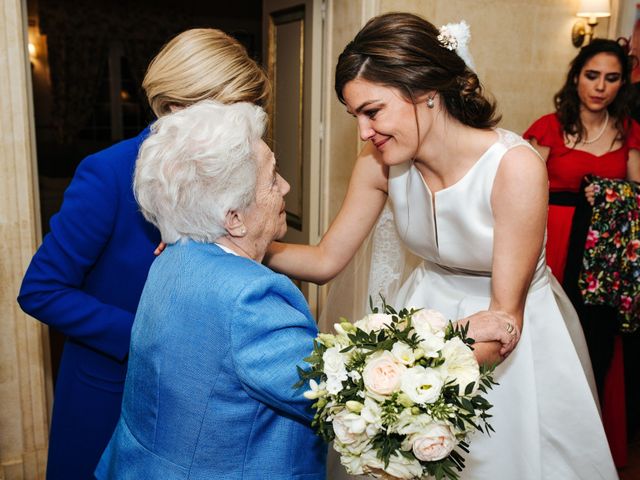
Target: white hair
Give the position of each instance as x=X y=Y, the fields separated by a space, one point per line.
x=196 y=165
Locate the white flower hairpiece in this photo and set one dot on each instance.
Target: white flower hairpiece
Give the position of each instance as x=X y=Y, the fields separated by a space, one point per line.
x=456 y=36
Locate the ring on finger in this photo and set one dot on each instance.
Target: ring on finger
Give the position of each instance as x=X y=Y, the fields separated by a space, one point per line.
x=510 y=328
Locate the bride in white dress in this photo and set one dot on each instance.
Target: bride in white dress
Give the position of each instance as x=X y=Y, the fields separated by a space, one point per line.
x=469 y=201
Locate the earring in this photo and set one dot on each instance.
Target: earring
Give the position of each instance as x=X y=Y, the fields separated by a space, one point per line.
x=243 y=231
x=430 y=102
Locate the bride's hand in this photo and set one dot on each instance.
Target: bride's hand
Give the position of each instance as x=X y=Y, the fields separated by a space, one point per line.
x=494 y=325
x=160 y=248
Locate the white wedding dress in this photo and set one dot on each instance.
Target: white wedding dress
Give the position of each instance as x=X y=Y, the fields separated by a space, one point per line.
x=545 y=415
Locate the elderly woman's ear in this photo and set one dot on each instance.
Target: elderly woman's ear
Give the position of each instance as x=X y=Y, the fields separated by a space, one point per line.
x=234 y=224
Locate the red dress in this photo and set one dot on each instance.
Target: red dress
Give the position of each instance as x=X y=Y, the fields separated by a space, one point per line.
x=567 y=167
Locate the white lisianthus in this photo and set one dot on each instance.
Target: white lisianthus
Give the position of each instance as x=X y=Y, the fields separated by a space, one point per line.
x=422 y=385
x=348 y=427
x=382 y=373
x=459 y=364
x=335 y=369
x=374 y=322
x=434 y=443
x=403 y=353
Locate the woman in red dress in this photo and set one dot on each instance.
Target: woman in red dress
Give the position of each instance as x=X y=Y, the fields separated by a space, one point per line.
x=590 y=133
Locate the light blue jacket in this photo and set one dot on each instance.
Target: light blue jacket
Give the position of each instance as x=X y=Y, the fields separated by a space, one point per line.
x=208 y=393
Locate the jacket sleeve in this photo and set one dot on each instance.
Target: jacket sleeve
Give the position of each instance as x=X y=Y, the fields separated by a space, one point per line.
x=271 y=333
x=51 y=290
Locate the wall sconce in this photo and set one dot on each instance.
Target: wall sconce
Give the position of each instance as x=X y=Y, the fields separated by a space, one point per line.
x=582 y=32
x=32 y=50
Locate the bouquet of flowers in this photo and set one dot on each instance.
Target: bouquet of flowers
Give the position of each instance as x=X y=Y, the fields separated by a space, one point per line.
x=398 y=393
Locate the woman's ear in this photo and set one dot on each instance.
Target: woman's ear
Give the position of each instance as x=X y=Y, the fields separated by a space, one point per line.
x=234 y=224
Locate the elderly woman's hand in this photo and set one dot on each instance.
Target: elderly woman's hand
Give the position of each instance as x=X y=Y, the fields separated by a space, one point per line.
x=494 y=325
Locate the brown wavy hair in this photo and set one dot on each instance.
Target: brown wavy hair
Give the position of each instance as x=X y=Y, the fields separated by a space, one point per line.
x=567 y=101
x=401 y=50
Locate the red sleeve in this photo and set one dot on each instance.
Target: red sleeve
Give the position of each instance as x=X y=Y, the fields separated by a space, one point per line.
x=546 y=130
x=633 y=138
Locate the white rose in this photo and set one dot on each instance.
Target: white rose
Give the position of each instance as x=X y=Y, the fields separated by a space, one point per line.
x=348 y=427
x=402 y=467
x=433 y=318
x=335 y=369
x=434 y=443
x=422 y=385
x=373 y=322
x=459 y=364
x=403 y=353
x=382 y=374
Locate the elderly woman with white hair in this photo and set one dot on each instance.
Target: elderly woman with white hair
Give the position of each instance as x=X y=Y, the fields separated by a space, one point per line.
x=217 y=335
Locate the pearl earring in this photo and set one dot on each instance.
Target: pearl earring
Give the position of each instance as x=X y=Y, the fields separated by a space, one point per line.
x=243 y=231
x=430 y=102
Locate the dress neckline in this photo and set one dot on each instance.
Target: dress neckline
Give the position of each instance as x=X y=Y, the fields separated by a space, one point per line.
x=466 y=175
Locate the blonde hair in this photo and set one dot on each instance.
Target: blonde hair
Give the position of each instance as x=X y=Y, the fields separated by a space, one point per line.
x=200 y=64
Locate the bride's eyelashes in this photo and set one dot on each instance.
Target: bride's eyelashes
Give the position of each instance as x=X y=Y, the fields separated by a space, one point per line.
x=371 y=113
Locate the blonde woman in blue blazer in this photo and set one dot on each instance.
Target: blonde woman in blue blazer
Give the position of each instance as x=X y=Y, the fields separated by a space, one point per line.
x=86 y=278
x=217 y=336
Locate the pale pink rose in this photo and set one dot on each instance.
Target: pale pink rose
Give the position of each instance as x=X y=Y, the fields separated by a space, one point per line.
x=382 y=374
x=434 y=318
x=434 y=443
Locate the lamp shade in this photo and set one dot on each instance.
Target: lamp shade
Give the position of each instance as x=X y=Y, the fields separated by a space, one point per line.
x=594 y=8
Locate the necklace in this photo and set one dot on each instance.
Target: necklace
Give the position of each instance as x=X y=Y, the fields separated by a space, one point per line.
x=602 y=129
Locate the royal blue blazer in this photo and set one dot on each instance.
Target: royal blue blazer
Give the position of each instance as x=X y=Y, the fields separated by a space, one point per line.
x=85 y=280
x=209 y=392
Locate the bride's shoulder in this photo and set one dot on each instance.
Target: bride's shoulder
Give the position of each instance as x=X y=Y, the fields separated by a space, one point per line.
x=521 y=164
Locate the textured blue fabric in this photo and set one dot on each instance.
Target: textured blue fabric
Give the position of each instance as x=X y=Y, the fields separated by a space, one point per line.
x=209 y=394
x=85 y=280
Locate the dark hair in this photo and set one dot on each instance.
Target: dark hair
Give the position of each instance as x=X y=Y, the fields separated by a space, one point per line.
x=402 y=50
x=567 y=101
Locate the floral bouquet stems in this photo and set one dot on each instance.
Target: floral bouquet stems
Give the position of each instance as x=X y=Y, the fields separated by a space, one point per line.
x=398 y=393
